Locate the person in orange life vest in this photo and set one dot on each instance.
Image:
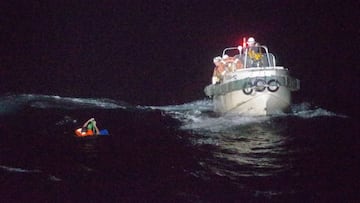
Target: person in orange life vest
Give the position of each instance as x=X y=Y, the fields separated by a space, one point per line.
x=227 y=61
x=219 y=70
x=232 y=63
x=90 y=127
x=239 y=59
x=238 y=64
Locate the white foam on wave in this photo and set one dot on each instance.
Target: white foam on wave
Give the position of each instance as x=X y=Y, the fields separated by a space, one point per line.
x=22 y=170
x=18 y=170
x=45 y=101
x=199 y=105
x=306 y=110
x=14 y=102
x=218 y=124
x=197 y=115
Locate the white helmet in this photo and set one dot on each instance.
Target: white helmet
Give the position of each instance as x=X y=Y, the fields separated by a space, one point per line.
x=225 y=56
x=251 y=41
x=217 y=59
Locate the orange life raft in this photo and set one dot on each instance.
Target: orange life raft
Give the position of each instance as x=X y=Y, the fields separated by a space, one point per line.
x=80 y=133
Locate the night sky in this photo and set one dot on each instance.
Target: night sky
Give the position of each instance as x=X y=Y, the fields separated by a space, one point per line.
x=160 y=52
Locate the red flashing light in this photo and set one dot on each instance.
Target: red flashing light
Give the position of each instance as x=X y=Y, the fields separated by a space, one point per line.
x=244 y=42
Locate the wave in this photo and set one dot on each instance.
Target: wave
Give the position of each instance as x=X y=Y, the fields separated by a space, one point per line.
x=198 y=115
x=242 y=146
x=18 y=170
x=198 y=105
x=306 y=110
x=194 y=115
x=12 y=103
x=22 y=170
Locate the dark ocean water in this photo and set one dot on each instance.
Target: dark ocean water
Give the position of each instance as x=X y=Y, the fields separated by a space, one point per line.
x=176 y=153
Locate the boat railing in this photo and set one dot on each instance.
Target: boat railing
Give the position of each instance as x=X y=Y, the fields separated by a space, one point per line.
x=266 y=60
x=238 y=50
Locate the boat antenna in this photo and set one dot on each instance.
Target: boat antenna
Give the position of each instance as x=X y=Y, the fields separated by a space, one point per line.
x=244 y=42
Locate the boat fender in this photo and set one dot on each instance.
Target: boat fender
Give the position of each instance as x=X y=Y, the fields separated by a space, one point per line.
x=260 y=85
x=273 y=85
x=248 y=88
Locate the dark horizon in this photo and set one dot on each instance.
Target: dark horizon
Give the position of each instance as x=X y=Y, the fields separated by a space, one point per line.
x=161 y=53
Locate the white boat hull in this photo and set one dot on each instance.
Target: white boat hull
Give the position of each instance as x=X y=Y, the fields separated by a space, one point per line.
x=255 y=104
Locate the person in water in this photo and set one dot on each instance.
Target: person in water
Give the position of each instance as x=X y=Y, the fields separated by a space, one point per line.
x=90 y=127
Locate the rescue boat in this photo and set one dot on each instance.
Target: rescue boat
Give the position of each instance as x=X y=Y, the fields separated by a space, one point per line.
x=259 y=88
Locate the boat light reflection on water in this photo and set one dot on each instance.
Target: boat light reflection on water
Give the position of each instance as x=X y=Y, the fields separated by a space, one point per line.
x=242 y=146
x=257 y=149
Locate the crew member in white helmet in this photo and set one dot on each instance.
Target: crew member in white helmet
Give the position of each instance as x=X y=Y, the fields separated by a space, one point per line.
x=219 y=70
x=250 y=42
x=253 y=51
x=252 y=45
